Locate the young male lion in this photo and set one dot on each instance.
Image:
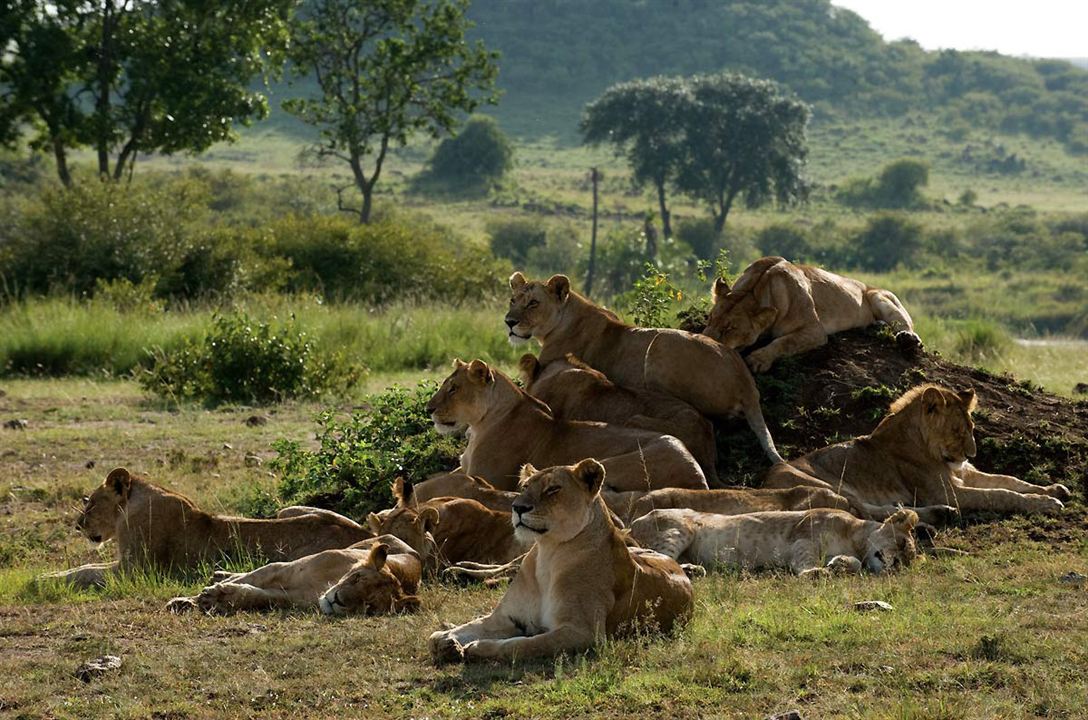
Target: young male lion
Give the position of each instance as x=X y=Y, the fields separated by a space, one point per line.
x=799 y=540
x=373 y=577
x=798 y=306
x=507 y=428
x=156 y=528
x=575 y=391
x=579 y=583
x=705 y=374
x=917 y=456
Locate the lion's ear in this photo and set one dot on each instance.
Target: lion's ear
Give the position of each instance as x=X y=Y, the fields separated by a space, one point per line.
x=590 y=473
x=120 y=481
x=527 y=471
x=903 y=519
x=374 y=523
x=970 y=399
x=378 y=555
x=517 y=281
x=429 y=518
x=480 y=372
x=932 y=400
x=560 y=286
x=404 y=491
x=529 y=366
x=764 y=318
x=481 y=483
x=720 y=290
x=458 y=363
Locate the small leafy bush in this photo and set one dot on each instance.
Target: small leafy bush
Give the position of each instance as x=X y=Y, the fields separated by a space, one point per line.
x=243 y=360
x=789 y=241
x=888 y=241
x=651 y=299
x=516 y=239
x=472 y=161
x=357 y=458
x=898 y=186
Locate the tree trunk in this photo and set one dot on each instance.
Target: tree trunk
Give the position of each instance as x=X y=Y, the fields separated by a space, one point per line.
x=666 y=218
x=105 y=86
x=368 y=201
x=725 y=204
x=62 y=161
x=595 y=177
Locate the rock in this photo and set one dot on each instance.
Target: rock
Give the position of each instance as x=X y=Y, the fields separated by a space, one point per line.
x=1078 y=389
x=253 y=461
x=99 y=666
x=1075 y=578
x=90 y=464
x=228 y=446
x=789 y=715
x=17 y=424
x=256 y=420
x=871 y=605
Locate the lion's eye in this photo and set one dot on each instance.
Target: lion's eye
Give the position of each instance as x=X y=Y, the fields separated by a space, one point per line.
x=452 y=390
x=86 y=501
x=513 y=300
x=533 y=303
x=551 y=491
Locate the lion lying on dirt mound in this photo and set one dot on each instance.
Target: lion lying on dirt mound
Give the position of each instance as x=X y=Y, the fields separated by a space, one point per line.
x=705 y=374
x=579 y=583
x=725 y=501
x=799 y=540
x=917 y=456
x=798 y=306
x=156 y=528
x=575 y=391
x=507 y=428
x=373 y=577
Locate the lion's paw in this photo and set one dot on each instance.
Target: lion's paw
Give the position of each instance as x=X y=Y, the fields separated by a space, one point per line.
x=445 y=648
x=181 y=605
x=759 y=362
x=908 y=341
x=1058 y=492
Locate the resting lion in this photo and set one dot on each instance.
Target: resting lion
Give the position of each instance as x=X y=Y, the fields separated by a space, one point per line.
x=705 y=374
x=373 y=577
x=808 y=542
x=156 y=528
x=798 y=306
x=507 y=428
x=725 y=501
x=575 y=391
x=579 y=583
x=917 y=456
x=460 y=485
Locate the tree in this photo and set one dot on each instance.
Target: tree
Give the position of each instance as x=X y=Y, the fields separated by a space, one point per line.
x=745 y=137
x=385 y=70
x=474 y=159
x=132 y=76
x=644 y=120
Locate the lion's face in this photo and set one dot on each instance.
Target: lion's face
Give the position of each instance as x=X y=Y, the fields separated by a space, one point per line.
x=370 y=588
x=535 y=306
x=557 y=502
x=737 y=321
x=461 y=400
x=410 y=524
x=104 y=506
x=892 y=546
x=947 y=426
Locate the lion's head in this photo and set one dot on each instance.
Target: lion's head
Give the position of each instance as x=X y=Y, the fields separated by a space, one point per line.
x=406 y=521
x=370 y=588
x=461 y=401
x=557 y=502
x=892 y=546
x=535 y=306
x=736 y=320
x=942 y=418
x=104 y=506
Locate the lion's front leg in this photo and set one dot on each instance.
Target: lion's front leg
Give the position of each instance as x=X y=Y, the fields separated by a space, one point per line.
x=565 y=638
x=449 y=645
x=973 y=477
x=804 y=560
x=226 y=598
x=792 y=343
x=83 y=577
x=1005 y=501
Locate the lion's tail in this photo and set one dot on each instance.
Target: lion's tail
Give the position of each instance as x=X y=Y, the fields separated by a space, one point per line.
x=754 y=415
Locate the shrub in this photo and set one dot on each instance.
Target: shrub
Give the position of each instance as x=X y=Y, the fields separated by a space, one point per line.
x=701 y=237
x=559 y=254
x=242 y=360
x=789 y=241
x=651 y=298
x=357 y=458
x=515 y=239
x=474 y=160
x=898 y=186
x=888 y=240
x=225 y=263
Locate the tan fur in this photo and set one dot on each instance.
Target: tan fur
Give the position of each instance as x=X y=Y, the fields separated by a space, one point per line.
x=373 y=577
x=798 y=306
x=460 y=485
x=808 y=542
x=917 y=456
x=578 y=585
x=575 y=391
x=726 y=501
x=156 y=528
x=507 y=427
x=708 y=376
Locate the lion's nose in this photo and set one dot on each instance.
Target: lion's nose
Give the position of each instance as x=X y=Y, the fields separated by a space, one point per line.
x=521 y=509
x=431 y=408
x=511 y=322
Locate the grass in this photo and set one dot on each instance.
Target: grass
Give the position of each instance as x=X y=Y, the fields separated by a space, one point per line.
x=993 y=634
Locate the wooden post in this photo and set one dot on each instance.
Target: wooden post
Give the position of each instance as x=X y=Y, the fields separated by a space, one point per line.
x=595 y=177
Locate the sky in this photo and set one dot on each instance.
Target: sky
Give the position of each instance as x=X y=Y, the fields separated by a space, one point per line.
x=1040 y=28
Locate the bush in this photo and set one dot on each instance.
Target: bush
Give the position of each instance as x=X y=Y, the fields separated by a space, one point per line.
x=651 y=298
x=225 y=263
x=898 y=186
x=789 y=241
x=358 y=458
x=515 y=239
x=242 y=360
x=474 y=160
x=560 y=252
x=887 y=241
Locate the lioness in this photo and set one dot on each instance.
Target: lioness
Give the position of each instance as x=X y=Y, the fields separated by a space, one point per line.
x=725 y=501
x=376 y=576
x=458 y=484
x=798 y=306
x=917 y=456
x=799 y=540
x=156 y=528
x=705 y=374
x=507 y=427
x=575 y=391
x=579 y=583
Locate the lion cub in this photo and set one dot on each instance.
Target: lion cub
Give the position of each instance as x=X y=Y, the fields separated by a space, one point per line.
x=578 y=584
x=799 y=540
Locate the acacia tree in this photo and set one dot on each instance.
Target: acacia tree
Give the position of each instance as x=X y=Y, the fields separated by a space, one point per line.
x=386 y=69
x=643 y=120
x=744 y=137
x=132 y=76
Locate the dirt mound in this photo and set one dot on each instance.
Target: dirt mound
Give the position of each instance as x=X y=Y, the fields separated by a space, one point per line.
x=842 y=390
